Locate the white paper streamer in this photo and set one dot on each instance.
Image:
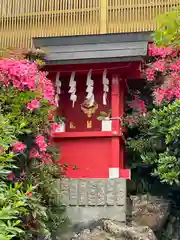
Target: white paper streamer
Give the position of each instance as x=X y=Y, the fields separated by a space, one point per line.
x=72 y=90
x=57 y=100
x=140 y=67
x=105 y=82
x=58 y=88
x=90 y=89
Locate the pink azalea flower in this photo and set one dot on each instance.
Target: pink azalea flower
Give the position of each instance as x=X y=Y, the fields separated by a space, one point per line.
x=159 y=65
x=46 y=158
x=159 y=95
x=54 y=126
x=162 y=51
x=19 y=147
x=34 y=153
x=34 y=104
x=40 y=141
x=23 y=74
x=138 y=104
x=150 y=73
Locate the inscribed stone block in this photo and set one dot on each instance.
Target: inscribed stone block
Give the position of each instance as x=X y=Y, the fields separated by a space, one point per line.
x=73 y=192
x=92 y=193
x=120 y=193
x=101 y=194
x=110 y=190
x=82 y=193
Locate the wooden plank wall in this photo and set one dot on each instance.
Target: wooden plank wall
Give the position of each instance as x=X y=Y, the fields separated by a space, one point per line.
x=21 y=20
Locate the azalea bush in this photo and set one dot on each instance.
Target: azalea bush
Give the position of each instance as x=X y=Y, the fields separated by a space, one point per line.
x=154 y=127
x=26 y=99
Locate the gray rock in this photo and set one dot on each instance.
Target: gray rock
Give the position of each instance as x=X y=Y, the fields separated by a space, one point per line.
x=128 y=233
x=113 y=231
x=150 y=211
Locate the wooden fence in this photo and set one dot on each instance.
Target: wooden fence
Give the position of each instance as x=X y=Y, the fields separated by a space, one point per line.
x=21 y=20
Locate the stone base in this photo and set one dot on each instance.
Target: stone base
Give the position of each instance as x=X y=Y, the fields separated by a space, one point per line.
x=89 y=200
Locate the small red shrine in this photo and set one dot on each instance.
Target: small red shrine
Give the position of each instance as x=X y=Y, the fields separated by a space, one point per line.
x=90 y=74
x=83 y=92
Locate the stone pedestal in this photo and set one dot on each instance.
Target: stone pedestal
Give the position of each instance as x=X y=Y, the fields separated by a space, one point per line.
x=89 y=200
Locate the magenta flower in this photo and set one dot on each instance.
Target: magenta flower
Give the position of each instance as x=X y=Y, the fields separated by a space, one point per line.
x=19 y=147
x=23 y=74
x=54 y=126
x=34 y=153
x=34 y=104
x=40 y=141
x=138 y=105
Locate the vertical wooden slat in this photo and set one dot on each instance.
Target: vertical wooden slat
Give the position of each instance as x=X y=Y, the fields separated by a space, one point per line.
x=85 y=16
x=2 y=7
x=52 y=19
x=46 y=17
x=103 y=16
x=62 y=16
x=7 y=21
x=41 y=19
x=72 y=8
x=56 y=19
x=66 y=19
x=82 y=16
x=97 y=16
x=4 y=25
x=118 y=14
x=49 y=16
x=32 y=18
x=88 y=16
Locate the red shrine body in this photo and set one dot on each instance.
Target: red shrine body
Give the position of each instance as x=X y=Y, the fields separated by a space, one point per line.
x=96 y=151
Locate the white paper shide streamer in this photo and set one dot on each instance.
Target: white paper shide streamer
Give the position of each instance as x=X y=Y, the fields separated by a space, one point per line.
x=90 y=89
x=72 y=90
x=58 y=88
x=105 y=82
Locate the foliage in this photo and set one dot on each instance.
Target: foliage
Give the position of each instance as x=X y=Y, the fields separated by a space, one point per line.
x=158 y=142
x=28 y=158
x=13 y=200
x=167 y=33
x=13 y=205
x=154 y=135
x=104 y=115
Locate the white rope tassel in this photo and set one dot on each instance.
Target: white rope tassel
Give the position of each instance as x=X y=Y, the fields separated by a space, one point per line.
x=58 y=88
x=105 y=81
x=57 y=100
x=72 y=90
x=90 y=89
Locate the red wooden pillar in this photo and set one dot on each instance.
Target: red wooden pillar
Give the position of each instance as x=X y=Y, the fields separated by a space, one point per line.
x=121 y=110
x=117 y=147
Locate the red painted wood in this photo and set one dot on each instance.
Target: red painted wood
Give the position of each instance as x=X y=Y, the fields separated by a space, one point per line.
x=128 y=70
x=92 y=150
x=90 y=155
x=85 y=134
x=115 y=144
x=115 y=99
x=125 y=174
x=121 y=112
x=76 y=115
